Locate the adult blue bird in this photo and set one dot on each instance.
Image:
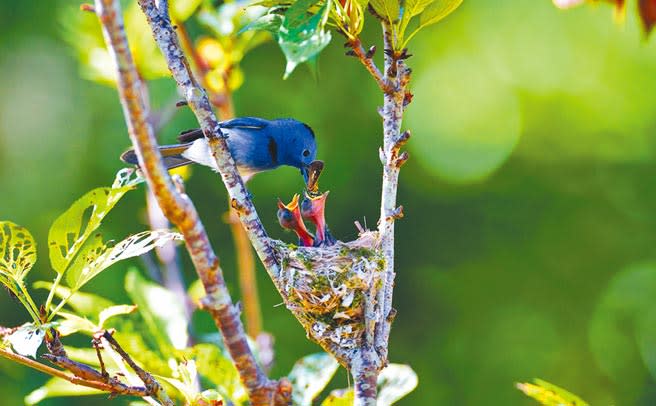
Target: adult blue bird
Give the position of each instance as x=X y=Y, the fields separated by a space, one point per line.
x=256 y=145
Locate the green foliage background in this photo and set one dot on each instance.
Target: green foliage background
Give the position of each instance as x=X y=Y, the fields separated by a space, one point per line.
x=529 y=233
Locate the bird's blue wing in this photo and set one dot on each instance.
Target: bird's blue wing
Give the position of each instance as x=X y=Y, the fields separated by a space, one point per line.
x=245 y=122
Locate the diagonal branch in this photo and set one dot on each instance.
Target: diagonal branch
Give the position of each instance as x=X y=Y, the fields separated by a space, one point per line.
x=197 y=99
x=177 y=206
x=366 y=58
x=95 y=383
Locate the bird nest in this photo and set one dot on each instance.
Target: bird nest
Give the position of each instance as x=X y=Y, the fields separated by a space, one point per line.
x=329 y=289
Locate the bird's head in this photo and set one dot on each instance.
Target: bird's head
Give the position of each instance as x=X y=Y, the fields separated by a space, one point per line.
x=289 y=217
x=297 y=144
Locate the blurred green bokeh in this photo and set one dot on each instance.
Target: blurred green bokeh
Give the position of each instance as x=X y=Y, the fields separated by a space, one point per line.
x=530 y=207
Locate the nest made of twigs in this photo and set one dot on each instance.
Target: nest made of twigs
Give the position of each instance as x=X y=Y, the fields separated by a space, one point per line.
x=329 y=288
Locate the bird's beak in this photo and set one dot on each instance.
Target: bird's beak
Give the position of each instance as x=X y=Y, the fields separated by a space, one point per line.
x=314 y=169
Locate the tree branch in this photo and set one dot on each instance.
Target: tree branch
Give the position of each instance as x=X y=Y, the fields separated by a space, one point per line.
x=166 y=38
x=365 y=57
x=114 y=387
x=371 y=357
x=175 y=204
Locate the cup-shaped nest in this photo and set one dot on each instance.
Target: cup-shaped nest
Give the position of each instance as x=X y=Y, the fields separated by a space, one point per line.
x=329 y=289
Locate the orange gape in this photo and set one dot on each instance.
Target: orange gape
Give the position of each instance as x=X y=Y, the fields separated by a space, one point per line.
x=289 y=217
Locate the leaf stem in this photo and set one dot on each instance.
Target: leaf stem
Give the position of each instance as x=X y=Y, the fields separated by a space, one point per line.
x=51 y=294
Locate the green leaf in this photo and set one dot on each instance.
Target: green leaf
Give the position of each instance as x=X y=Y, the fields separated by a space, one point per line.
x=84 y=304
x=387 y=9
x=97 y=256
x=161 y=309
x=548 y=394
x=113 y=311
x=394 y=382
x=339 y=397
x=72 y=324
x=17 y=251
x=72 y=229
x=437 y=10
x=218 y=369
x=302 y=35
x=57 y=387
x=269 y=22
x=309 y=377
x=26 y=339
x=181 y=10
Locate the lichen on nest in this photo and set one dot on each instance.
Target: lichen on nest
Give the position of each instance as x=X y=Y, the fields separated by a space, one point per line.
x=327 y=289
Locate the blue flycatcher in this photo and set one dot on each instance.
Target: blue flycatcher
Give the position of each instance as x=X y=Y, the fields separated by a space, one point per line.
x=256 y=145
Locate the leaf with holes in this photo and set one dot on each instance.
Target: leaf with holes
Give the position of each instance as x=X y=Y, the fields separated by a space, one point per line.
x=548 y=394
x=26 y=339
x=72 y=229
x=309 y=377
x=17 y=251
x=97 y=256
x=394 y=382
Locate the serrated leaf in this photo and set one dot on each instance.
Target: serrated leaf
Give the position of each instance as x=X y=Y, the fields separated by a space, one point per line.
x=309 y=377
x=437 y=10
x=84 y=304
x=218 y=369
x=113 y=311
x=17 y=250
x=161 y=309
x=72 y=229
x=548 y=394
x=97 y=256
x=57 y=387
x=394 y=382
x=26 y=340
x=339 y=397
x=387 y=9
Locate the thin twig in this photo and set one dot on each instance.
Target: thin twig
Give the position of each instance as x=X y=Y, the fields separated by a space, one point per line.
x=367 y=61
x=177 y=206
x=114 y=387
x=154 y=388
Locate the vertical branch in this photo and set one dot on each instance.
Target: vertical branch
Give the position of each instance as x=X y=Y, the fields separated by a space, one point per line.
x=369 y=359
x=398 y=74
x=180 y=210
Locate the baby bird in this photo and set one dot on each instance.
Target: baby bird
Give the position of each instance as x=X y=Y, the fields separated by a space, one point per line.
x=289 y=217
x=312 y=209
x=256 y=145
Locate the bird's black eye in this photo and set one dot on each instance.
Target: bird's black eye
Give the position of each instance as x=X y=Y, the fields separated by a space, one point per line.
x=306 y=152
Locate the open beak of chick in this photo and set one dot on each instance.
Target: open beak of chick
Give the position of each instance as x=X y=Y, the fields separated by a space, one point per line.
x=289 y=217
x=312 y=209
